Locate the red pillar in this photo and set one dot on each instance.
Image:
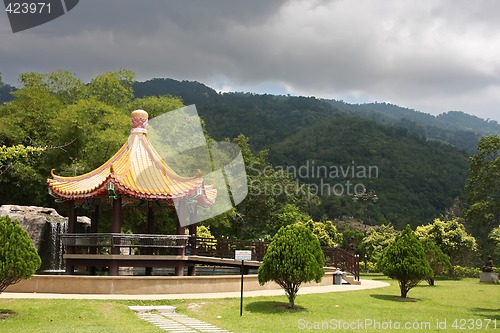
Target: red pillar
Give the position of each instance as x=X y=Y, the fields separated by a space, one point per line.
x=115 y=228
x=181 y=215
x=192 y=236
x=94 y=227
x=151 y=218
x=151 y=230
x=72 y=215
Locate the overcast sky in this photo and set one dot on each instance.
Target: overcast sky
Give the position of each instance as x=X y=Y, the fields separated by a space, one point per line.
x=430 y=55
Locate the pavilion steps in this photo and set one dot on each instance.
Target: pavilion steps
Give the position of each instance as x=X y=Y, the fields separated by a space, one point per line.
x=350 y=279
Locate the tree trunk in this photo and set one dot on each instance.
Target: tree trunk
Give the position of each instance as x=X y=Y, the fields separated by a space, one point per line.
x=291 y=293
x=291 y=301
x=402 y=287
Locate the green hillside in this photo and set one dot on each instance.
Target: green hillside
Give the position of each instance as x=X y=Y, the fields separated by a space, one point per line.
x=456 y=128
x=415 y=179
x=418 y=175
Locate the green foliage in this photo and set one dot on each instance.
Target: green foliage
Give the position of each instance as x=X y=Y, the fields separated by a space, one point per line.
x=421 y=159
x=270 y=191
x=465 y=271
x=483 y=187
x=9 y=155
x=293 y=257
x=352 y=240
x=113 y=88
x=291 y=214
x=452 y=238
x=454 y=127
x=370 y=267
x=156 y=106
x=410 y=187
x=377 y=240
x=494 y=237
x=18 y=257
x=80 y=125
x=405 y=260
x=439 y=262
x=326 y=232
x=204 y=231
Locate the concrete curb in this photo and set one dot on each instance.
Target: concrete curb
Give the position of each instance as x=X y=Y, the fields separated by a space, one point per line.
x=365 y=284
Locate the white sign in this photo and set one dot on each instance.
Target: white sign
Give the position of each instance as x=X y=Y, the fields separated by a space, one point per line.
x=243 y=255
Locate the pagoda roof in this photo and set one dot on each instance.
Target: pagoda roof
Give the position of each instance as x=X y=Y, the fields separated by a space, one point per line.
x=136 y=170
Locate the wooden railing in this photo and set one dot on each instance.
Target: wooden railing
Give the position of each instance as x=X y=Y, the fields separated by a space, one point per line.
x=104 y=243
x=224 y=248
x=343 y=260
x=209 y=247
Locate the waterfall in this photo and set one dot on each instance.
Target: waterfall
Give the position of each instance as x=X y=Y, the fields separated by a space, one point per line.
x=52 y=249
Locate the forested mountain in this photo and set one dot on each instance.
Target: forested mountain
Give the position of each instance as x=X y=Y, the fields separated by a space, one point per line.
x=419 y=172
x=266 y=119
x=456 y=128
x=191 y=92
x=414 y=179
x=5 y=91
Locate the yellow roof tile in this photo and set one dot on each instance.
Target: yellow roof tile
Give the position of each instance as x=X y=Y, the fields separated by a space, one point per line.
x=136 y=170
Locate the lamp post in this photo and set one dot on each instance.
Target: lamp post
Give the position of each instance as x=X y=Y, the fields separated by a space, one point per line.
x=366 y=197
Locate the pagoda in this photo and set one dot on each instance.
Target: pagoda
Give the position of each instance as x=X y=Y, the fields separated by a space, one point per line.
x=135 y=175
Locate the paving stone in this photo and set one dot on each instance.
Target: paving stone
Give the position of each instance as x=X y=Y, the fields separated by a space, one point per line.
x=167 y=319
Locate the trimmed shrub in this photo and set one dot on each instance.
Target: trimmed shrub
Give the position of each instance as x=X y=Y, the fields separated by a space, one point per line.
x=293 y=257
x=405 y=261
x=18 y=257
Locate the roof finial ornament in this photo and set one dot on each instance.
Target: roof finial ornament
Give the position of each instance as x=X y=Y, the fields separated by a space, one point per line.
x=139 y=121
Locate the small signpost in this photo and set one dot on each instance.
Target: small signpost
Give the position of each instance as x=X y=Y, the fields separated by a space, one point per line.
x=242 y=255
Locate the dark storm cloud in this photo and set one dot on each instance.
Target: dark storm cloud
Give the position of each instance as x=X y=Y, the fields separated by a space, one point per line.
x=430 y=55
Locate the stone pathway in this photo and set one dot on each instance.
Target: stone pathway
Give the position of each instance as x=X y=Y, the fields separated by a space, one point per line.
x=167 y=319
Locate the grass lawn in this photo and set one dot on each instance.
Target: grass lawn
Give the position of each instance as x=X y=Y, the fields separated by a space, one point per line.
x=64 y=316
x=465 y=305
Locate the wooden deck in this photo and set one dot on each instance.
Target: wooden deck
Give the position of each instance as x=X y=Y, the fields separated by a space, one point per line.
x=114 y=250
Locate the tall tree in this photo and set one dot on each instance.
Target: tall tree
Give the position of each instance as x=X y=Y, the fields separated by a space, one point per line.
x=452 y=238
x=113 y=88
x=494 y=238
x=376 y=240
x=439 y=262
x=88 y=123
x=269 y=192
x=483 y=187
x=405 y=261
